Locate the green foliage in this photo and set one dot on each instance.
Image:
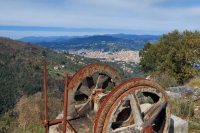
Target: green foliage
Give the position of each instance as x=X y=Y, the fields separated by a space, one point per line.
x=180 y=107
x=194 y=128
x=8 y=89
x=175 y=53
x=164 y=79
x=110 y=86
x=186 y=109
x=21 y=76
x=195 y=82
x=44 y=53
x=150 y=100
x=9 y=118
x=21 y=70
x=136 y=71
x=30 y=110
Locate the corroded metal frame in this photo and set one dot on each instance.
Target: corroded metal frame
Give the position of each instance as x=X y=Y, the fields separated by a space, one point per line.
x=131 y=87
x=63 y=120
x=71 y=85
x=134 y=84
x=87 y=72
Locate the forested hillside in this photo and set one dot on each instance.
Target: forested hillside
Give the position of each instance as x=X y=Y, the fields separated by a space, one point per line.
x=21 y=68
x=21 y=79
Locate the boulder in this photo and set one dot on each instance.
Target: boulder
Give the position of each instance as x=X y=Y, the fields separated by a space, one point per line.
x=178 y=125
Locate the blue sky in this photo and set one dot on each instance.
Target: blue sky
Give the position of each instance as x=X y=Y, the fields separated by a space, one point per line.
x=20 y=18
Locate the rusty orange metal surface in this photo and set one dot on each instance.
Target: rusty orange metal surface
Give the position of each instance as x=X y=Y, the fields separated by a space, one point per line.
x=45 y=122
x=87 y=73
x=64 y=121
x=98 y=116
x=148 y=129
x=88 y=70
x=111 y=102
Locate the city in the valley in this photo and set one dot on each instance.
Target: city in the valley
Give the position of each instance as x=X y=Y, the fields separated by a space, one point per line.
x=126 y=56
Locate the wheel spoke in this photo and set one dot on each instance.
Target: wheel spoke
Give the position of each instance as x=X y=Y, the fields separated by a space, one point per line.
x=101 y=79
x=131 y=128
x=84 y=81
x=84 y=89
x=127 y=112
x=152 y=113
x=123 y=123
x=84 y=109
x=122 y=115
x=137 y=92
x=135 y=108
x=162 y=127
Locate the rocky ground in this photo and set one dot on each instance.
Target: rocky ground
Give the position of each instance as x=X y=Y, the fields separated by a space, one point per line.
x=183 y=92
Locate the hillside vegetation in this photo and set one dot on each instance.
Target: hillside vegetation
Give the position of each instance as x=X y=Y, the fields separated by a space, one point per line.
x=175 y=53
x=21 y=68
x=173 y=61
x=21 y=77
x=21 y=82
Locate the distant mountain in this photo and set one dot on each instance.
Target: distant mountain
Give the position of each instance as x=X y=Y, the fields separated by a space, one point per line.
x=96 y=38
x=129 y=36
x=106 y=43
x=33 y=39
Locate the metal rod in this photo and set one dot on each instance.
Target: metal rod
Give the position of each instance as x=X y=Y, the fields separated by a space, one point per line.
x=65 y=105
x=45 y=100
x=56 y=121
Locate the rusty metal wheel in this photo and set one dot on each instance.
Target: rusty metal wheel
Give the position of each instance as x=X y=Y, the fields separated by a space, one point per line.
x=123 y=109
x=86 y=83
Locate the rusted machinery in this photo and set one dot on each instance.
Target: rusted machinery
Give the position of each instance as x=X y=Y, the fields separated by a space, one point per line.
x=95 y=101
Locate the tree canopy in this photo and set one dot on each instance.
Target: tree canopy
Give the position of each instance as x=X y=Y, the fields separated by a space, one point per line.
x=175 y=54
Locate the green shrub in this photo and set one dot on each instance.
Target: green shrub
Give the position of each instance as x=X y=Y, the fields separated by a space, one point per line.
x=164 y=79
x=194 y=82
x=180 y=107
x=186 y=109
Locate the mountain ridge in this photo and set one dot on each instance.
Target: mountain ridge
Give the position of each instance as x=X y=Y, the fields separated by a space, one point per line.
x=34 y=39
x=104 y=43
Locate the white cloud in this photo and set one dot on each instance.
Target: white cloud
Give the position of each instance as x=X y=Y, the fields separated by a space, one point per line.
x=120 y=14
x=21 y=34
x=18 y=35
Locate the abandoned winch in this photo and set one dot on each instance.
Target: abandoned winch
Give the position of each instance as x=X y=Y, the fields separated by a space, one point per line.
x=95 y=101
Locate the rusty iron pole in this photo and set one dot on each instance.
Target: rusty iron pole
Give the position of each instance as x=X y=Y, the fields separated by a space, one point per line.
x=45 y=100
x=64 y=120
x=47 y=123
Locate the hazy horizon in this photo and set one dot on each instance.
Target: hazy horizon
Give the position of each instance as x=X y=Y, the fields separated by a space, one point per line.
x=21 y=18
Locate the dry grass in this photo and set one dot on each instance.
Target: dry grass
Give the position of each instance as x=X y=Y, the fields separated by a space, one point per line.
x=179 y=108
x=195 y=82
x=31 y=112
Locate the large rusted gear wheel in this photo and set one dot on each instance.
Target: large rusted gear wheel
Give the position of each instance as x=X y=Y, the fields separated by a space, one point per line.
x=85 y=83
x=123 y=109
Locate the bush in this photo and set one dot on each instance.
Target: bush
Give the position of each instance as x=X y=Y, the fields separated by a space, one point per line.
x=195 y=82
x=180 y=107
x=186 y=109
x=164 y=79
x=31 y=112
